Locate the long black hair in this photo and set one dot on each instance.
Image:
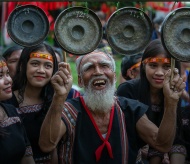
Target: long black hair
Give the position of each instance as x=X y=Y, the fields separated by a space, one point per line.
x=10 y=50
x=20 y=80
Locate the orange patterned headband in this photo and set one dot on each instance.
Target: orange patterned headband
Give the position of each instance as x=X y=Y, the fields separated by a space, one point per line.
x=41 y=55
x=156 y=60
x=135 y=65
x=2 y=64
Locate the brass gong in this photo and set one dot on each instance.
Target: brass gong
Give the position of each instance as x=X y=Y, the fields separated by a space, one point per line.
x=78 y=30
x=175 y=33
x=28 y=25
x=129 y=30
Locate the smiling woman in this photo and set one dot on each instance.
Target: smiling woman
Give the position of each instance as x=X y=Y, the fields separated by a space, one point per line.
x=5 y=81
x=39 y=68
x=149 y=89
x=15 y=147
x=33 y=93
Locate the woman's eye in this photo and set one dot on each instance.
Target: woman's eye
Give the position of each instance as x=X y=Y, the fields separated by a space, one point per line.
x=152 y=64
x=48 y=66
x=34 y=64
x=167 y=67
x=12 y=61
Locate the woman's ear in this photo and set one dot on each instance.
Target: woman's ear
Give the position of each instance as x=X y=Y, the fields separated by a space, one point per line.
x=130 y=74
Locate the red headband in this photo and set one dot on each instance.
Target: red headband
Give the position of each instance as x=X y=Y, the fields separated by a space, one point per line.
x=157 y=60
x=2 y=64
x=135 y=65
x=41 y=55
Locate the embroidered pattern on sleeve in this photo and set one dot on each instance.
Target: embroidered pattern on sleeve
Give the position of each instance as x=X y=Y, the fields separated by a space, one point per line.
x=69 y=115
x=9 y=121
x=28 y=151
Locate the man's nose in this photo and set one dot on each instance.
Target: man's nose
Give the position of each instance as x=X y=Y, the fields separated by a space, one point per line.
x=98 y=70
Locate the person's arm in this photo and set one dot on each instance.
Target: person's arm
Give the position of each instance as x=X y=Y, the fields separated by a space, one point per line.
x=53 y=128
x=27 y=160
x=162 y=138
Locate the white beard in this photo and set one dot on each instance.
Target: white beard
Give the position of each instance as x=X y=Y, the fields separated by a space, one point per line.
x=99 y=100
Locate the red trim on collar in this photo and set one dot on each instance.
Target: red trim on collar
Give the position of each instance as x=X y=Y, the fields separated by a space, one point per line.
x=106 y=143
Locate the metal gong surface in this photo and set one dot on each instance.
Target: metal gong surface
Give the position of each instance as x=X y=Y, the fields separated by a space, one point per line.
x=78 y=30
x=129 y=30
x=28 y=25
x=175 y=33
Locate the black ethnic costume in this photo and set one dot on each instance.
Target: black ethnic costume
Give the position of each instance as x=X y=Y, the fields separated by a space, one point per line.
x=14 y=144
x=84 y=144
x=130 y=89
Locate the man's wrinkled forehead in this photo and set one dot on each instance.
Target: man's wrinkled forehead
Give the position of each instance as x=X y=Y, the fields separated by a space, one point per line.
x=95 y=57
x=92 y=55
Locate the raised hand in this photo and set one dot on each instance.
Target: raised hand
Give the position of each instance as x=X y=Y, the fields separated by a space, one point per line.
x=62 y=79
x=173 y=88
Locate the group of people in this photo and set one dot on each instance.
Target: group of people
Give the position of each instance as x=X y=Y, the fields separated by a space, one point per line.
x=44 y=120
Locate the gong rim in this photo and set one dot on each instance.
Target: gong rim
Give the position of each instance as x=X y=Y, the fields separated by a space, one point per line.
x=27 y=30
x=177 y=40
x=78 y=30
x=123 y=34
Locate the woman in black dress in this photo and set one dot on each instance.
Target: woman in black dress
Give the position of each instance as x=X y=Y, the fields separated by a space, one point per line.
x=32 y=94
x=14 y=144
x=148 y=89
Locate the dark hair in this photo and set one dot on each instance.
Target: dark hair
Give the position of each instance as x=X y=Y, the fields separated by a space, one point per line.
x=59 y=52
x=20 y=80
x=2 y=58
x=10 y=50
x=127 y=62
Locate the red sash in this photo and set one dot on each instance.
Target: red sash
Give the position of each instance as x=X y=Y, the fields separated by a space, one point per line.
x=106 y=143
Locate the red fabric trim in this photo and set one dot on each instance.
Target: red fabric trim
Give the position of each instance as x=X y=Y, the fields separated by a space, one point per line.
x=98 y=151
x=76 y=94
